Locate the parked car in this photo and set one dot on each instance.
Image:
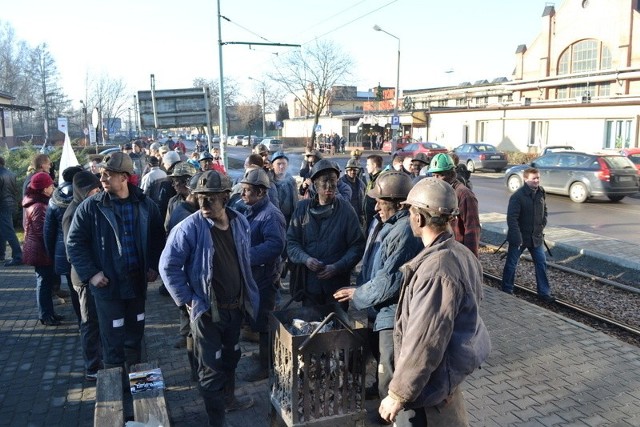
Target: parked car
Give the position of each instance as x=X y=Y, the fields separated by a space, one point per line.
x=481 y=156
x=581 y=175
x=272 y=144
x=110 y=151
x=402 y=143
x=632 y=154
x=556 y=148
x=430 y=149
x=251 y=141
x=235 y=140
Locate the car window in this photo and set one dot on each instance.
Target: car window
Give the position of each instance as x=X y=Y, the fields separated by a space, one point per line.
x=485 y=148
x=618 y=162
x=635 y=158
x=411 y=147
x=462 y=149
x=547 y=161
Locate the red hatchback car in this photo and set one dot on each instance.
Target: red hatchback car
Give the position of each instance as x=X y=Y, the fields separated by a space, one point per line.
x=430 y=149
x=402 y=142
x=632 y=154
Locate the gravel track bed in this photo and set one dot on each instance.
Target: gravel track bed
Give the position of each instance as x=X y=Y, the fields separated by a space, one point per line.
x=606 y=300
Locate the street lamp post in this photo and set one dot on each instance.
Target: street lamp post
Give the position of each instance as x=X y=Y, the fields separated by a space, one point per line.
x=394 y=141
x=264 y=123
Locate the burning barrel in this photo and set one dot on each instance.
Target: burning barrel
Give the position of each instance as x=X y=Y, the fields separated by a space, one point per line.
x=318 y=370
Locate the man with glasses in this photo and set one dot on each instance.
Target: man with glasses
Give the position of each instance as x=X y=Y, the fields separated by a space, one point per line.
x=324 y=237
x=114 y=244
x=205 y=266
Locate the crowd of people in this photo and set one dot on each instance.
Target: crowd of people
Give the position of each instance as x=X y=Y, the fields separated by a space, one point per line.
x=400 y=242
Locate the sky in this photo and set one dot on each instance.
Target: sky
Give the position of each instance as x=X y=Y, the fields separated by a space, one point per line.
x=441 y=42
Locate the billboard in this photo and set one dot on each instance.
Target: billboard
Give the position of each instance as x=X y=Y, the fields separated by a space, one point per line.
x=173 y=108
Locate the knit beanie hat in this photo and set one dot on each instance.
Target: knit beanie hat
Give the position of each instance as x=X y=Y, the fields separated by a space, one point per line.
x=85 y=181
x=69 y=173
x=40 y=181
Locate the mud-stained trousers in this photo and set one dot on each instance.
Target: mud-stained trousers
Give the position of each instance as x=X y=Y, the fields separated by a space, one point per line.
x=217 y=352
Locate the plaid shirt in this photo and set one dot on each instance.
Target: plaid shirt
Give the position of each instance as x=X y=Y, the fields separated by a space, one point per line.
x=124 y=210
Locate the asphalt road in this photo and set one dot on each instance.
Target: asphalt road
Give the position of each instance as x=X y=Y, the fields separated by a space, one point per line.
x=598 y=216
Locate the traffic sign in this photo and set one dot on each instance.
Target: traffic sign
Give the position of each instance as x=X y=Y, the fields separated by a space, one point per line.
x=318 y=128
x=395 y=120
x=278 y=125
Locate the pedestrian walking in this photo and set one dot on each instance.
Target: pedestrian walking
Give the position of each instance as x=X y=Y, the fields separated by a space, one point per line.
x=526 y=221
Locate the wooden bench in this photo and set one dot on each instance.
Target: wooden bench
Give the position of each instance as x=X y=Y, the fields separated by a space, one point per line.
x=109 y=408
x=150 y=403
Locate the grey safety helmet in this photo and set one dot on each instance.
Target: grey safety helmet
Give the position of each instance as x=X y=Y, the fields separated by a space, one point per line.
x=434 y=196
x=261 y=149
x=278 y=155
x=420 y=157
x=257 y=177
x=183 y=170
x=193 y=182
x=213 y=182
x=205 y=155
x=392 y=185
x=352 y=164
x=323 y=165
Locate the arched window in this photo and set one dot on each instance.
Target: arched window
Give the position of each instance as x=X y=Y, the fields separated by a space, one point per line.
x=584 y=56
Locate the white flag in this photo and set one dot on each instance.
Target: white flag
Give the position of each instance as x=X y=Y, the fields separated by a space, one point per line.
x=67 y=159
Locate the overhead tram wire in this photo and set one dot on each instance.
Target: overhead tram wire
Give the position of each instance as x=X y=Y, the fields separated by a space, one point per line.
x=349 y=22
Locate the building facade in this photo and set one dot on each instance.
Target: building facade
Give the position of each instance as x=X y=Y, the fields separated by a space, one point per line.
x=577 y=83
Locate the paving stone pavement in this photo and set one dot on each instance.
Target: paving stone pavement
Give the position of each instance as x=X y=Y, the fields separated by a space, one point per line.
x=544 y=370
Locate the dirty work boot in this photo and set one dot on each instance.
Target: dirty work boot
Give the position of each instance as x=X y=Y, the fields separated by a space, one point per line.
x=214 y=405
x=231 y=401
x=260 y=370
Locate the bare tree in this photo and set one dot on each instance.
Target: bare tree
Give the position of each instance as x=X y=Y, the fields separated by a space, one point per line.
x=231 y=95
x=249 y=116
x=310 y=73
x=111 y=97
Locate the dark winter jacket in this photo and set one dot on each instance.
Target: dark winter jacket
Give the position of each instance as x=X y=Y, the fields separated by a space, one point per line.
x=357 y=194
x=180 y=212
x=53 y=233
x=8 y=190
x=94 y=243
x=380 y=279
x=268 y=234
x=287 y=195
x=527 y=217
x=333 y=238
x=84 y=183
x=34 y=211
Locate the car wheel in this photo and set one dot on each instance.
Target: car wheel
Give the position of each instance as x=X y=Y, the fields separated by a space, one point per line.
x=615 y=198
x=578 y=192
x=470 y=166
x=514 y=183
